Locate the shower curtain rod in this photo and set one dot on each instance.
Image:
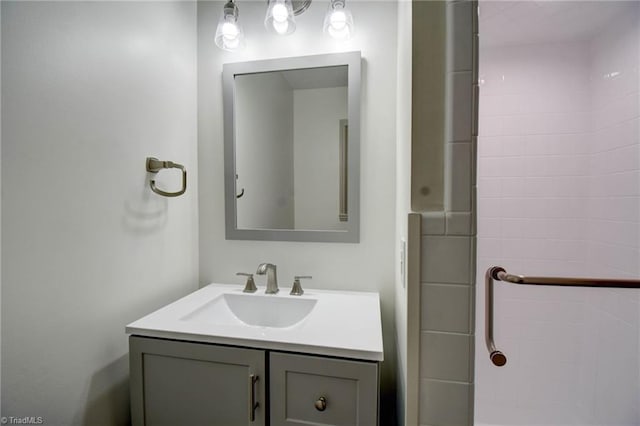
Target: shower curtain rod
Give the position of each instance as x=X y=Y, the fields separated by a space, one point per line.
x=498 y=273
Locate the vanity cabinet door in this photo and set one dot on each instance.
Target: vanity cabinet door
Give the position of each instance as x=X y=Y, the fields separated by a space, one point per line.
x=308 y=390
x=184 y=383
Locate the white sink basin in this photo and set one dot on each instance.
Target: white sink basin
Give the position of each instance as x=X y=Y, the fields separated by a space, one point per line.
x=254 y=309
x=324 y=322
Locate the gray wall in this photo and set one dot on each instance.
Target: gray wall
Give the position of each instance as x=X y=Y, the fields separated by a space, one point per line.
x=405 y=322
x=89 y=90
x=368 y=265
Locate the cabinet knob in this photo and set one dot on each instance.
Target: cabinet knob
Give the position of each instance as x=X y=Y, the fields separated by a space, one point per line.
x=321 y=404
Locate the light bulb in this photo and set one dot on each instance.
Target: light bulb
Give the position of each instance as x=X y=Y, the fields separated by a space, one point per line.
x=339 y=33
x=229 y=35
x=280 y=13
x=279 y=18
x=231 y=42
x=281 y=27
x=338 y=22
x=230 y=30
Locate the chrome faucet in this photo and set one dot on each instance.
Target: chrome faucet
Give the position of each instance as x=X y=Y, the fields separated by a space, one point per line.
x=272 y=278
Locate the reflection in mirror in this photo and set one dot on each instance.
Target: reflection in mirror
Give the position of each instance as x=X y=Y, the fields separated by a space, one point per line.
x=288 y=127
x=292 y=149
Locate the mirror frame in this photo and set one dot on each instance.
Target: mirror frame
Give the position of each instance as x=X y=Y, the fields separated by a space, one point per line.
x=352 y=232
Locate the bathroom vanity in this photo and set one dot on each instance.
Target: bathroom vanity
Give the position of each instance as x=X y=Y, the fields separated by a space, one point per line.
x=223 y=357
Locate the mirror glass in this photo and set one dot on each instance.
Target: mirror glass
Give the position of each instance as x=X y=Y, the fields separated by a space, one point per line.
x=288 y=128
x=291 y=159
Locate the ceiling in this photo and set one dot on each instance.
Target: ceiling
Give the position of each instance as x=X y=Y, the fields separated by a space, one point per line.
x=527 y=21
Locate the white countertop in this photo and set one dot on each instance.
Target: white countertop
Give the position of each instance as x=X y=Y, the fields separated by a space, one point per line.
x=342 y=324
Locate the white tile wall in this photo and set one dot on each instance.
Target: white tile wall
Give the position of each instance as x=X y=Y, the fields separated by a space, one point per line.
x=614 y=226
x=559 y=194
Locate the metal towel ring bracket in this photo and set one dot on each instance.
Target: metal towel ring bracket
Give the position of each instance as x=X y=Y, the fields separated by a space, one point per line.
x=154 y=166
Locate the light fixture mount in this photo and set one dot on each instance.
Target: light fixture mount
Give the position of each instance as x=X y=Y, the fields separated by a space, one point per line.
x=299 y=6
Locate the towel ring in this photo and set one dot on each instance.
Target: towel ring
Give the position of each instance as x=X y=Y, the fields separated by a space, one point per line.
x=154 y=166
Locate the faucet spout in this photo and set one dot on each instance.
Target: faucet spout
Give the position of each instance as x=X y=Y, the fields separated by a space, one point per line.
x=272 y=279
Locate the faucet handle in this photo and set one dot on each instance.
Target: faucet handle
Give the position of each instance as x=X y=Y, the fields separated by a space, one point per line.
x=250 y=285
x=297 y=290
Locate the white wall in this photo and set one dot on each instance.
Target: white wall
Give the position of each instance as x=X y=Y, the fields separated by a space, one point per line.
x=89 y=90
x=316 y=129
x=558 y=194
x=368 y=265
x=265 y=169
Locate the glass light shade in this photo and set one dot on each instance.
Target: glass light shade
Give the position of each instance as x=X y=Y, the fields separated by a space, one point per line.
x=279 y=18
x=229 y=34
x=338 y=22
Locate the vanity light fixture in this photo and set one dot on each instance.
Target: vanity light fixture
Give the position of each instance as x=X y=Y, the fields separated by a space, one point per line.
x=280 y=19
x=338 y=22
x=229 y=34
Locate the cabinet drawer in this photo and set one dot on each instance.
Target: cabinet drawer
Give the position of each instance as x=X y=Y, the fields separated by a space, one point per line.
x=349 y=389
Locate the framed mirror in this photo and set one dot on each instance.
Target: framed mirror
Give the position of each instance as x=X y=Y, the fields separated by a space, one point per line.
x=292 y=148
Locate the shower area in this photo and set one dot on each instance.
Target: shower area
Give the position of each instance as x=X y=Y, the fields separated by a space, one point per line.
x=558 y=190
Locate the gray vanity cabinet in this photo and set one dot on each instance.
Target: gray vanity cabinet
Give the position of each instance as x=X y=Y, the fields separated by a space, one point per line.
x=186 y=383
x=308 y=390
x=179 y=383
